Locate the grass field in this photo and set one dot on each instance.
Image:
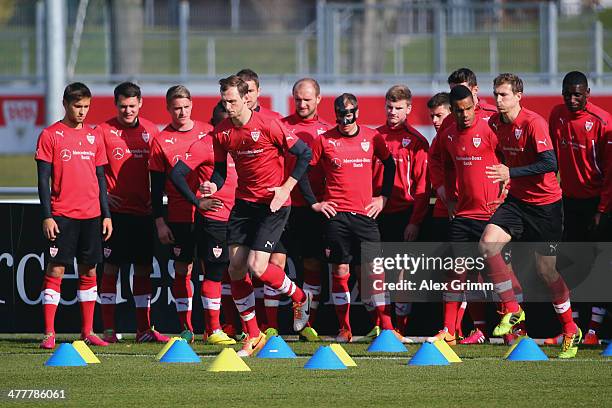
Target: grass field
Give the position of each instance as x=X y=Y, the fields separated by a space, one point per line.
x=129 y=375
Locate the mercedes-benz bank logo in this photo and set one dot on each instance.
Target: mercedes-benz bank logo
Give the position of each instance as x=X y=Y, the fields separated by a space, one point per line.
x=118 y=153
x=65 y=155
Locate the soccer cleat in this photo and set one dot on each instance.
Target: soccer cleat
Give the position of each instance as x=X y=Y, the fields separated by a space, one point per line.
x=508 y=321
x=48 y=342
x=252 y=345
x=110 y=336
x=301 y=313
x=402 y=339
x=476 y=337
x=93 y=340
x=443 y=335
x=241 y=337
x=569 y=347
x=591 y=339
x=510 y=338
x=219 y=338
x=271 y=332
x=344 y=336
x=187 y=335
x=372 y=334
x=553 y=341
x=309 y=334
x=151 y=336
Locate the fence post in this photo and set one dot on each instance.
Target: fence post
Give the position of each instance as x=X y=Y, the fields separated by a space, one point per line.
x=598 y=50
x=553 y=53
x=235 y=15
x=184 y=37
x=440 y=41
x=55 y=52
x=321 y=37
x=211 y=56
x=40 y=41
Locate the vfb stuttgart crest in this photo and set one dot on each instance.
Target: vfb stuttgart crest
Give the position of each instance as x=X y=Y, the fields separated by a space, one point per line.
x=476 y=141
x=406 y=141
x=518 y=133
x=365 y=146
x=217 y=251
x=255 y=135
x=145 y=137
x=588 y=125
x=91 y=138
x=53 y=251
x=107 y=252
x=177 y=251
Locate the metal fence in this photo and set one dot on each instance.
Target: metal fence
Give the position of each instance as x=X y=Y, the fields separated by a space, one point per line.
x=358 y=41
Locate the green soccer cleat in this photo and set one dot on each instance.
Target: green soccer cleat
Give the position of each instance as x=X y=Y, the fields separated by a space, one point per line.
x=220 y=338
x=187 y=335
x=508 y=321
x=372 y=334
x=271 y=331
x=569 y=346
x=309 y=334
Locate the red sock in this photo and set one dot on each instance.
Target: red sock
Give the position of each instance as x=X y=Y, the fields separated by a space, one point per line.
x=142 y=299
x=562 y=305
x=402 y=311
x=108 y=296
x=242 y=292
x=51 y=290
x=87 y=294
x=276 y=278
x=342 y=300
x=312 y=285
x=183 y=294
x=230 y=314
x=502 y=281
x=271 y=302
x=260 y=304
x=597 y=317
x=459 y=322
x=211 y=303
x=478 y=315
x=450 y=315
x=383 y=310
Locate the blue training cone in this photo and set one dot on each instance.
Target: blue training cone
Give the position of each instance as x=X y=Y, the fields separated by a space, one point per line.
x=66 y=356
x=387 y=342
x=276 y=347
x=324 y=359
x=608 y=351
x=428 y=355
x=527 y=350
x=180 y=352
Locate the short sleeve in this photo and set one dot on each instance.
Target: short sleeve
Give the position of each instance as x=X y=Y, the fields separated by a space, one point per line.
x=45 y=147
x=101 y=158
x=540 y=136
x=317 y=151
x=196 y=155
x=281 y=136
x=156 y=158
x=380 y=147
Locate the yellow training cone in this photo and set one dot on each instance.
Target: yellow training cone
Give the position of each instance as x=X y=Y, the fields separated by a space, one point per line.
x=513 y=346
x=343 y=355
x=228 y=360
x=85 y=352
x=166 y=347
x=447 y=351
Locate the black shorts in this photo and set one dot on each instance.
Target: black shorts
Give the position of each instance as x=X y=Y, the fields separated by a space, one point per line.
x=77 y=238
x=463 y=229
x=434 y=229
x=392 y=225
x=344 y=234
x=255 y=226
x=541 y=224
x=183 y=248
x=211 y=240
x=604 y=229
x=132 y=240
x=303 y=235
x=578 y=216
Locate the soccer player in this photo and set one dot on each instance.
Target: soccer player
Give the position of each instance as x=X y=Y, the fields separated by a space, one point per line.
x=401 y=218
x=532 y=212
x=578 y=130
x=305 y=227
x=252 y=80
x=127 y=140
x=75 y=209
x=471 y=146
x=346 y=153
x=257 y=144
x=168 y=148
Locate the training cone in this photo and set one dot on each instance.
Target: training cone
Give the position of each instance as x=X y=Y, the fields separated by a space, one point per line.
x=66 y=356
x=513 y=346
x=324 y=359
x=276 y=347
x=526 y=350
x=343 y=355
x=166 y=347
x=428 y=355
x=228 y=360
x=85 y=352
x=180 y=352
x=447 y=351
x=387 y=342
x=608 y=351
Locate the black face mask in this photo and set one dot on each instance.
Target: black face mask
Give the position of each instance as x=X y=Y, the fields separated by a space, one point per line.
x=346 y=116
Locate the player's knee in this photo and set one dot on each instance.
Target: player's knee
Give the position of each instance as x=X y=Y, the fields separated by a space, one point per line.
x=547 y=268
x=236 y=272
x=341 y=270
x=279 y=260
x=55 y=270
x=257 y=267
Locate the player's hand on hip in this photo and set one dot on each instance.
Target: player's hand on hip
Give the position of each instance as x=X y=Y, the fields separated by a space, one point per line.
x=114 y=201
x=50 y=229
x=208 y=188
x=411 y=232
x=281 y=195
x=376 y=206
x=325 y=207
x=210 y=204
x=107 y=228
x=498 y=173
x=163 y=232
x=450 y=206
